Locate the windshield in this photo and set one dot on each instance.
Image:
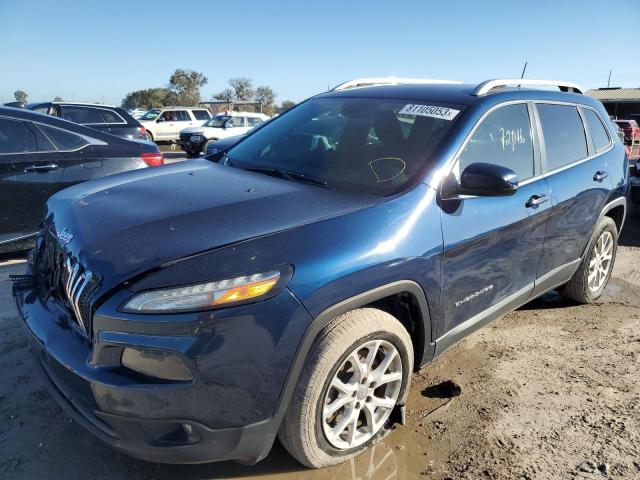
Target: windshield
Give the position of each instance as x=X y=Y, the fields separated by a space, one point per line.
x=151 y=114
x=216 y=122
x=363 y=145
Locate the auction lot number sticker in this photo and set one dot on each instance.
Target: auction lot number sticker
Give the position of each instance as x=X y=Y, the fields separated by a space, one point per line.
x=430 y=111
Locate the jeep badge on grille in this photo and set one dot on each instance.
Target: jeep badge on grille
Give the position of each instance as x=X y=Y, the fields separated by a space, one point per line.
x=65 y=236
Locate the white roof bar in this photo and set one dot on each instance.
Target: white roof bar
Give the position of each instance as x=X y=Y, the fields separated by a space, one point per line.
x=488 y=85
x=369 y=82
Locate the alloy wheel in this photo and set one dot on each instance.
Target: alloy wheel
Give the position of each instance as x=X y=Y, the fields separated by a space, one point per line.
x=600 y=262
x=362 y=394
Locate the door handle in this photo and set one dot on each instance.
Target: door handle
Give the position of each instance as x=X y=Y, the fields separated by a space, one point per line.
x=600 y=175
x=41 y=168
x=536 y=200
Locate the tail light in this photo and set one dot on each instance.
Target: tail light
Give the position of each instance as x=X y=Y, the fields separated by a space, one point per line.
x=143 y=131
x=153 y=159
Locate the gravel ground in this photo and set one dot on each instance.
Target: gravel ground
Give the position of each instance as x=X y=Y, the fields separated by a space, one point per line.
x=551 y=391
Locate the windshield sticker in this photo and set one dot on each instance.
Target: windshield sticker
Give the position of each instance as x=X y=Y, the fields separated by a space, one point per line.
x=430 y=111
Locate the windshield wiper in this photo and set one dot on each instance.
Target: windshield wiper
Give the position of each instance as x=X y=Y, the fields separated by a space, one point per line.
x=289 y=175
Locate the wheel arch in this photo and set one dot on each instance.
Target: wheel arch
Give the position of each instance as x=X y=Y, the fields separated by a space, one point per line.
x=386 y=297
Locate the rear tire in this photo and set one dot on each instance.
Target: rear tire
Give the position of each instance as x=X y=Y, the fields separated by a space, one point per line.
x=358 y=369
x=149 y=136
x=592 y=276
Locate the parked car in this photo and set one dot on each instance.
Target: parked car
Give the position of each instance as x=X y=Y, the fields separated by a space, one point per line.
x=630 y=128
x=137 y=112
x=293 y=288
x=41 y=154
x=193 y=140
x=165 y=124
x=219 y=147
x=106 y=118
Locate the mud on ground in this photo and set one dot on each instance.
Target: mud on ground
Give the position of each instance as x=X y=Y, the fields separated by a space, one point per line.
x=551 y=391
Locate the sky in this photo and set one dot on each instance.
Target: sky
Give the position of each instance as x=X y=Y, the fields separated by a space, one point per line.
x=89 y=50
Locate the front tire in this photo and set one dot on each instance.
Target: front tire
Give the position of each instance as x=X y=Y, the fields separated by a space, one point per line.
x=592 y=276
x=359 y=368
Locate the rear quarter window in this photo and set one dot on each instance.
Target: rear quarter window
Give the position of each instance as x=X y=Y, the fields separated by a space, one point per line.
x=564 y=137
x=200 y=114
x=109 y=116
x=82 y=115
x=598 y=132
x=63 y=139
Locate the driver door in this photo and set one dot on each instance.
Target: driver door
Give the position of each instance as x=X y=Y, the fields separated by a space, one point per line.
x=492 y=245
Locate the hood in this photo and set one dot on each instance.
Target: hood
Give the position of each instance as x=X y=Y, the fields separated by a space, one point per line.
x=198 y=129
x=127 y=224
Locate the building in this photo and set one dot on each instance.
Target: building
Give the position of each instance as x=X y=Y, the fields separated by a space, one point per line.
x=621 y=103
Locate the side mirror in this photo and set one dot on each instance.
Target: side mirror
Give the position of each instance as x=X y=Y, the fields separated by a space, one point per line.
x=486 y=180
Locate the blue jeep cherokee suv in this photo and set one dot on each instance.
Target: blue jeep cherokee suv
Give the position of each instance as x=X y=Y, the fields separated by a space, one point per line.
x=192 y=313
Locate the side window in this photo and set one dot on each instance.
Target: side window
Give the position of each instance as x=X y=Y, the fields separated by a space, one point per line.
x=15 y=137
x=62 y=139
x=200 y=114
x=181 y=116
x=44 y=144
x=82 y=115
x=564 y=137
x=599 y=134
x=253 y=121
x=110 y=117
x=503 y=138
x=237 y=121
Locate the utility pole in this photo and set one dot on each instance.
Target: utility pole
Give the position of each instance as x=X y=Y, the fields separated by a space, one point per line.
x=609 y=81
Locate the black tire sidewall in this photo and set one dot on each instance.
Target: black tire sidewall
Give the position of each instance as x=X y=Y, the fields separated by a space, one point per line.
x=321 y=440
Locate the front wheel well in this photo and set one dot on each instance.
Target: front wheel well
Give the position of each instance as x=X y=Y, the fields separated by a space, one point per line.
x=405 y=307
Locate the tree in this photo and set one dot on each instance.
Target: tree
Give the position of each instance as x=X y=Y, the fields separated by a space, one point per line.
x=20 y=96
x=242 y=88
x=227 y=95
x=148 y=98
x=286 y=105
x=266 y=96
x=185 y=86
x=57 y=99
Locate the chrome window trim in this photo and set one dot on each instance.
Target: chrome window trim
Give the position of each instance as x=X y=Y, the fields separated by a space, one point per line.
x=90 y=140
x=123 y=122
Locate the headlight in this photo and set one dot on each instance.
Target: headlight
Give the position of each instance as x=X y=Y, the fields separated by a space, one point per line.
x=204 y=295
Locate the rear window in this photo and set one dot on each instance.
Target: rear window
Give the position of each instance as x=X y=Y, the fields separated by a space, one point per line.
x=63 y=139
x=363 y=145
x=598 y=132
x=564 y=138
x=200 y=114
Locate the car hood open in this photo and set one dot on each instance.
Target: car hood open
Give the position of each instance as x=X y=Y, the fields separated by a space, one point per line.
x=128 y=224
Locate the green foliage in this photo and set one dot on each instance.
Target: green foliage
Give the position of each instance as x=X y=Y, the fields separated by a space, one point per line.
x=147 y=98
x=286 y=105
x=57 y=99
x=242 y=88
x=20 y=96
x=266 y=96
x=185 y=86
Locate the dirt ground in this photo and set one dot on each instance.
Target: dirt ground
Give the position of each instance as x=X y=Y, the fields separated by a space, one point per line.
x=551 y=391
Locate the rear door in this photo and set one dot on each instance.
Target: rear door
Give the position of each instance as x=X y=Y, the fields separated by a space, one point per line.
x=577 y=173
x=29 y=173
x=492 y=245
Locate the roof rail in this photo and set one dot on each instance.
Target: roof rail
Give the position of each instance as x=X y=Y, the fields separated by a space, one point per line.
x=369 y=82
x=488 y=85
x=88 y=104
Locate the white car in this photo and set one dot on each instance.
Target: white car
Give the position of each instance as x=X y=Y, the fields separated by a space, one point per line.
x=137 y=112
x=193 y=140
x=165 y=124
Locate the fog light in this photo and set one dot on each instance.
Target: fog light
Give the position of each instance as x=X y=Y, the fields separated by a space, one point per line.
x=156 y=363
